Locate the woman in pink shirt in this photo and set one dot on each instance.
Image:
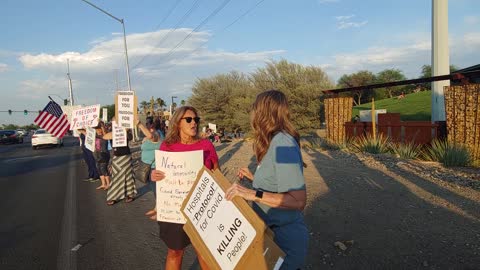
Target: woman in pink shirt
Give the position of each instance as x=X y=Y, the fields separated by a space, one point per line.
x=183 y=135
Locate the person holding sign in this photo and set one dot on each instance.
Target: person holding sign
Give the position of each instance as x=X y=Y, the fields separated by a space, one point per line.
x=279 y=193
x=150 y=143
x=122 y=185
x=183 y=135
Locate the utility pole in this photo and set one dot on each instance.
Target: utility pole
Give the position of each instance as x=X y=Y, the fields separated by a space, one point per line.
x=440 y=57
x=69 y=83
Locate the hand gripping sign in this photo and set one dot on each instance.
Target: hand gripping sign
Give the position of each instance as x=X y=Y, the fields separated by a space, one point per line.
x=228 y=234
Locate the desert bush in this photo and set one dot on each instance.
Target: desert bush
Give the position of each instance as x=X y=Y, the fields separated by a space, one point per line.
x=450 y=155
x=408 y=150
x=372 y=145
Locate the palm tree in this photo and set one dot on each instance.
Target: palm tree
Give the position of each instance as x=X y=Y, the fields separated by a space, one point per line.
x=144 y=106
x=182 y=102
x=161 y=103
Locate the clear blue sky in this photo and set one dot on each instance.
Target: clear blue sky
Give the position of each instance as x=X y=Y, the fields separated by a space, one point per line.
x=340 y=36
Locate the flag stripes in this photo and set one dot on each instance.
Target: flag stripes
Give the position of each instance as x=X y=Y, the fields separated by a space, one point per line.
x=53 y=120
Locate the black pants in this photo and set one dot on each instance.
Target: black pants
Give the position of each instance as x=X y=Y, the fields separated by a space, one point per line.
x=91 y=164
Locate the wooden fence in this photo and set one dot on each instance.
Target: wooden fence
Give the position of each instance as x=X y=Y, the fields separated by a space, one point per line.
x=389 y=125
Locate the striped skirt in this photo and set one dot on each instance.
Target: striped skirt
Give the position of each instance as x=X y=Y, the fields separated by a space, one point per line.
x=123 y=181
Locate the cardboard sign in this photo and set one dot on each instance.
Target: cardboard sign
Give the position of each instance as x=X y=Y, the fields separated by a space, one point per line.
x=126 y=108
x=213 y=127
x=224 y=229
x=119 y=135
x=181 y=169
x=90 y=139
x=85 y=117
x=228 y=234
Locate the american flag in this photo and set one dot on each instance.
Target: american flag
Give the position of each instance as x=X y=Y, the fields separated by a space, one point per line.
x=53 y=120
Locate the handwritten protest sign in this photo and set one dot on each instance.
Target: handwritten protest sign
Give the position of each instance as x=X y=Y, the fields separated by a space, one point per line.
x=126 y=108
x=181 y=170
x=119 y=135
x=225 y=230
x=90 y=139
x=227 y=234
x=85 y=117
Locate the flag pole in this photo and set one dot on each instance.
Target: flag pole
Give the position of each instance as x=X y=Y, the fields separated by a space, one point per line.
x=51 y=98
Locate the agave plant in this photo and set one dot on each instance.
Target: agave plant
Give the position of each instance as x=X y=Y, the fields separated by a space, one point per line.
x=372 y=145
x=408 y=150
x=450 y=155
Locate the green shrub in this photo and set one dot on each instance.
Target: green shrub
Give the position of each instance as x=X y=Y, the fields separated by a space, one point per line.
x=370 y=145
x=457 y=156
x=450 y=155
x=408 y=150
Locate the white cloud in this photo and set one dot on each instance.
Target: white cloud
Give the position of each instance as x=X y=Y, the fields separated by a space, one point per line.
x=3 y=67
x=36 y=89
x=408 y=58
x=344 y=22
x=154 y=68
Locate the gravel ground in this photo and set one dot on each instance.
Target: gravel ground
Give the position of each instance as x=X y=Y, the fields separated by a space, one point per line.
x=380 y=212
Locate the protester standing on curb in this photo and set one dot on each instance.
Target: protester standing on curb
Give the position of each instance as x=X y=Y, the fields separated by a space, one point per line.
x=89 y=159
x=279 y=192
x=123 y=180
x=150 y=143
x=183 y=135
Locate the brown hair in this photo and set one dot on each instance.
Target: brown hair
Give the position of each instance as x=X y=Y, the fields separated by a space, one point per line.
x=270 y=115
x=173 y=132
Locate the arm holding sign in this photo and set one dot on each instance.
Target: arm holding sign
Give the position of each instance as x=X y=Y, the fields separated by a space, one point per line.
x=295 y=200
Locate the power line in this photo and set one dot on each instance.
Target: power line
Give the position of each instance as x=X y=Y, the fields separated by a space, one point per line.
x=210 y=16
x=220 y=32
x=184 y=17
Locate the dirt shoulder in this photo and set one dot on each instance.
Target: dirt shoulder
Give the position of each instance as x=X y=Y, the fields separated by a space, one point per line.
x=386 y=213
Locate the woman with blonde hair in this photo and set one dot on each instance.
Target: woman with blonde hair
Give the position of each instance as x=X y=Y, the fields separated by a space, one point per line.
x=183 y=135
x=279 y=195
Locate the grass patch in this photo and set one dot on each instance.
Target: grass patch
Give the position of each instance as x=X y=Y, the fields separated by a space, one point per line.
x=450 y=155
x=407 y=150
x=370 y=145
x=414 y=107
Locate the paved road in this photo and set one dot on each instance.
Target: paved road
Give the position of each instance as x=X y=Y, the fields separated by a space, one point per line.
x=47 y=210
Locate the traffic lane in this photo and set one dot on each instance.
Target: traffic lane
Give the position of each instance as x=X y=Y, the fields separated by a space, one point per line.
x=18 y=160
x=6 y=148
x=32 y=206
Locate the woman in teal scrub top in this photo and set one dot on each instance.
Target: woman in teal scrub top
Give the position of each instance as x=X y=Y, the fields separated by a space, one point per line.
x=279 y=192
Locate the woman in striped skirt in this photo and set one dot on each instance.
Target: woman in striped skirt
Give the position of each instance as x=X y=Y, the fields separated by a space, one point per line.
x=123 y=181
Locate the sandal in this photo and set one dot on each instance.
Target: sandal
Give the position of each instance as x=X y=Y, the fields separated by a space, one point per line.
x=151 y=213
x=112 y=202
x=129 y=199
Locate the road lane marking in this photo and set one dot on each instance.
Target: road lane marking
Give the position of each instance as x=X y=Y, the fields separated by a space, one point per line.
x=66 y=258
x=22 y=158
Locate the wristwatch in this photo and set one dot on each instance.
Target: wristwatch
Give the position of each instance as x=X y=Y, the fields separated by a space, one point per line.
x=258 y=195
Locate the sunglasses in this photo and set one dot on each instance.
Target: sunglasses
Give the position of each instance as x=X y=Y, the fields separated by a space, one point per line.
x=189 y=119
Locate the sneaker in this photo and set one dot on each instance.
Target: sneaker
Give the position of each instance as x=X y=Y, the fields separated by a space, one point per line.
x=87 y=179
x=93 y=180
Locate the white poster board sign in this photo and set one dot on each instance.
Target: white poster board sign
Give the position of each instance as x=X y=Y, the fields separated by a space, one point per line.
x=105 y=115
x=90 y=139
x=213 y=127
x=366 y=115
x=181 y=169
x=85 y=117
x=126 y=108
x=223 y=228
x=119 y=135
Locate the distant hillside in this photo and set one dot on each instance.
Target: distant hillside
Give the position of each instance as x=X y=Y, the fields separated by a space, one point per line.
x=414 y=107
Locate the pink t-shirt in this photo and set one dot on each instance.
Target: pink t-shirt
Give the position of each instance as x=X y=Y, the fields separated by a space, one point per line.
x=209 y=154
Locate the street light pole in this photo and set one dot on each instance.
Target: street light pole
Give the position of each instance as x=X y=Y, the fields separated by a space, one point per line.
x=171 y=106
x=124 y=40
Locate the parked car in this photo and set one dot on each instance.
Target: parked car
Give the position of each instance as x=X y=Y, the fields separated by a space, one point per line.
x=10 y=136
x=22 y=132
x=43 y=137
